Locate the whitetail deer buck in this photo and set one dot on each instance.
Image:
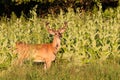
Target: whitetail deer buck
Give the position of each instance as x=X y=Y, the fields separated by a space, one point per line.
x=41 y=52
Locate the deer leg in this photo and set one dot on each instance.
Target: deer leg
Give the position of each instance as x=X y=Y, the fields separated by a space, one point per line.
x=47 y=65
x=20 y=61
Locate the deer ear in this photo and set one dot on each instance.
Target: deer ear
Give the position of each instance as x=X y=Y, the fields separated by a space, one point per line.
x=52 y=32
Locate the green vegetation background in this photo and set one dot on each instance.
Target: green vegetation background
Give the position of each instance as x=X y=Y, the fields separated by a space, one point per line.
x=90 y=47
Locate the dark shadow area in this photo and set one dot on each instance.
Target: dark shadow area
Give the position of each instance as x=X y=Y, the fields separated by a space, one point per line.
x=45 y=8
x=107 y=4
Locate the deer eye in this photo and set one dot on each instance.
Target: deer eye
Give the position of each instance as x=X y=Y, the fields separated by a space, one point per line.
x=60 y=35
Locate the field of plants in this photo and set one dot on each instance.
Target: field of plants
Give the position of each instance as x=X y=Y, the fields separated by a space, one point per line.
x=90 y=46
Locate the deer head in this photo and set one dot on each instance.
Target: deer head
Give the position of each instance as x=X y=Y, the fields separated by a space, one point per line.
x=57 y=35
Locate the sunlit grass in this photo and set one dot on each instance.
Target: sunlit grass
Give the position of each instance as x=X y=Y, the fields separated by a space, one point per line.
x=108 y=70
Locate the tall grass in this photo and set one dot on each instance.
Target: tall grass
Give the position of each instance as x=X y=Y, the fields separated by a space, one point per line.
x=61 y=71
x=90 y=48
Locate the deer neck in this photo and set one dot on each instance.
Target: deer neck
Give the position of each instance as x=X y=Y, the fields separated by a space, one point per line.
x=56 y=44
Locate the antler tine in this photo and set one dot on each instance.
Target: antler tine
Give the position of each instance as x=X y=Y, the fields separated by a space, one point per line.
x=47 y=23
x=65 y=24
x=62 y=29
